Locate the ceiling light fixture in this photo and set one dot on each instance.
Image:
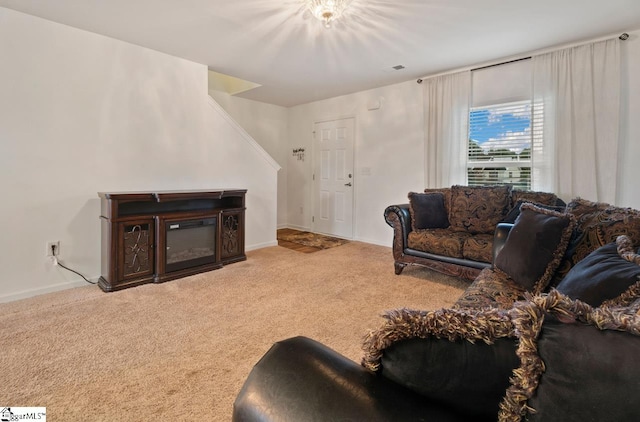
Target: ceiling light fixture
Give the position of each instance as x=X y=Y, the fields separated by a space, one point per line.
x=327 y=10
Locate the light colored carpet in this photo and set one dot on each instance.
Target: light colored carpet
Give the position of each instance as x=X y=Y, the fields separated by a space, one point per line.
x=181 y=350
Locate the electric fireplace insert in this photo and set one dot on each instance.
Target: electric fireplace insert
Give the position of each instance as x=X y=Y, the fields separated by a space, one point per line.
x=190 y=243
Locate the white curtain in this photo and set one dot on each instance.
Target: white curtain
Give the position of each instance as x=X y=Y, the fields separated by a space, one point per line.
x=446 y=127
x=576 y=107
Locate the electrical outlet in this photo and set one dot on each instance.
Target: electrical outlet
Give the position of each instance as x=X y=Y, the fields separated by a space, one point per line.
x=50 y=246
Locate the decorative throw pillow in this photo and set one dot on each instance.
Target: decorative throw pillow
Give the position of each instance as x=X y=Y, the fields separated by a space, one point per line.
x=515 y=211
x=427 y=211
x=477 y=209
x=604 y=274
x=461 y=358
x=535 y=246
x=446 y=192
x=577 y=363
x=632 y=304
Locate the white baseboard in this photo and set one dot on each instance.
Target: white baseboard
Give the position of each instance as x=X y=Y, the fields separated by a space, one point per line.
x=43 y=290
x=373 y=242
x=294 y=227
x=260 y=245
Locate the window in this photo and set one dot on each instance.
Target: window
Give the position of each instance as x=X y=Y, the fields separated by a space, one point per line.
x=499 y=150
x=500 y=126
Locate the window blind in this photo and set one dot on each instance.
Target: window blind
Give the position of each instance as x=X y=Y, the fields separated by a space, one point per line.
x=499 y=150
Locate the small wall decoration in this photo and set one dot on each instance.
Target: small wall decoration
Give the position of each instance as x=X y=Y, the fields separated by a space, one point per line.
x=299 y=152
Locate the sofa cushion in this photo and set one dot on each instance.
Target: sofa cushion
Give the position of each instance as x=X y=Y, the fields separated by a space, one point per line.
x=535 y=246
x=604 y=275
x=478 y=247
x=513 y=214
x=478 y=348
x=438 y=242
x=477 y=209
x=627 y=224
x=543 y=198
x=584 y=209
x=577 y=363
x=427 y=211
x=491 y=289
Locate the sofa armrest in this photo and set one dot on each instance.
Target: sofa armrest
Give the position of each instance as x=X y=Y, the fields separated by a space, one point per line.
x=398 y=214
x=500 y=237
x=398 y=217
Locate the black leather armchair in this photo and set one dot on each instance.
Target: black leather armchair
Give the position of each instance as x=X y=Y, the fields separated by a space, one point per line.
x=301 y=380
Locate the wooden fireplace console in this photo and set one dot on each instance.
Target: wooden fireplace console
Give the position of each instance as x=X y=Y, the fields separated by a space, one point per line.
x=134 y=225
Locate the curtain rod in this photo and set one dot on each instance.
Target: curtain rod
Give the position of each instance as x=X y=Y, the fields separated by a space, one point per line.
x=500 y=64
x=623 y=37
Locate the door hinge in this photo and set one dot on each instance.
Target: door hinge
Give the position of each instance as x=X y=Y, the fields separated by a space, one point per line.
x=313 y=176
x=313 y=219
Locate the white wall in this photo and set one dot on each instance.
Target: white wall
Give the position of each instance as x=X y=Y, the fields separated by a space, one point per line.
x=267 y=124
x=389 y=155
x=82 y=113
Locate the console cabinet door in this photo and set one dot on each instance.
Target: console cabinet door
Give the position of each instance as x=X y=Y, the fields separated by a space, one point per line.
x=232 y=236
x=135 y=251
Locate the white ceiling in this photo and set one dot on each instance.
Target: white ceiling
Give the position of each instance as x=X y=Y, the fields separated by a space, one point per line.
x=279 y=45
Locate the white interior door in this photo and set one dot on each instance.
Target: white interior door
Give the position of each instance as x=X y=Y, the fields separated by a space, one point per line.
x=333 y=177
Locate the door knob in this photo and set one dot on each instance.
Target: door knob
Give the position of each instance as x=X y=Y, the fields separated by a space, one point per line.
x=348 y=184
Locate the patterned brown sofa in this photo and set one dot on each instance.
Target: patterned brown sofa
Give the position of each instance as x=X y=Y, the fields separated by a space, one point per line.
x=596 y=224
x=451 y=230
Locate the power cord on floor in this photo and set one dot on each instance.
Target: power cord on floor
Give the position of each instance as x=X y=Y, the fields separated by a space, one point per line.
x=57 y=262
